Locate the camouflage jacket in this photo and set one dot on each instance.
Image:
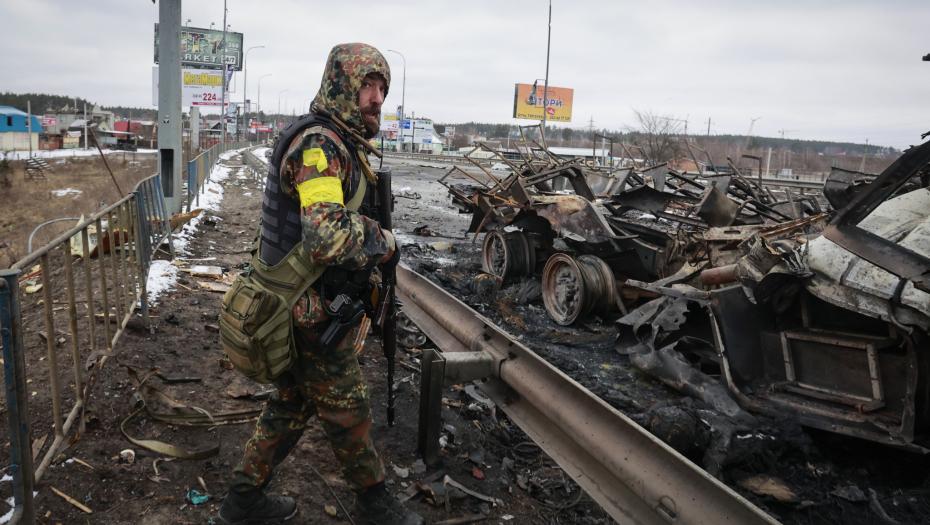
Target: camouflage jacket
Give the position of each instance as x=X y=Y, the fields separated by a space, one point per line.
x=317 y=171
x=317 y=168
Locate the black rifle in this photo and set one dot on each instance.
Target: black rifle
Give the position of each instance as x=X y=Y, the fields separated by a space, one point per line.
x=385 y=313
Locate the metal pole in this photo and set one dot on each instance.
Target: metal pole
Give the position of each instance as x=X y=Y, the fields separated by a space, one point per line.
x=403 y=94
x=29 y=124
x=86 y=145
x=223 y=63
x=279 y=105
x=169 y=102
x=546 y=86
x=14 y=368
x=245 y=80
x=260 y=94
x=768 y=162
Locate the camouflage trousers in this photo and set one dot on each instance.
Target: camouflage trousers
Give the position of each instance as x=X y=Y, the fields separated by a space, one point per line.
x=329 y=386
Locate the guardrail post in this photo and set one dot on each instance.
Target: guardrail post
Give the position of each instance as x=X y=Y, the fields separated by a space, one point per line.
x=432 y=375
x=14 y=369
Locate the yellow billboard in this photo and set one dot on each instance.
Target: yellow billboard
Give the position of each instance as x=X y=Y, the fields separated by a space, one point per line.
x=528 y=102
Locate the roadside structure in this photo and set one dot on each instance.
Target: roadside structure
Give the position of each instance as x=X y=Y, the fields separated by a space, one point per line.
x=14 y=130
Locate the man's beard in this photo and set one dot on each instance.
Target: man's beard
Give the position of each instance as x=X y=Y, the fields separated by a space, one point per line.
x=371 y=127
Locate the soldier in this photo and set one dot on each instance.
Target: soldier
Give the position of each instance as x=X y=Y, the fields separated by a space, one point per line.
x=310 y=184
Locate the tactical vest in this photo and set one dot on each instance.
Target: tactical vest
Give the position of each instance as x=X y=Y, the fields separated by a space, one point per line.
x=281 y=230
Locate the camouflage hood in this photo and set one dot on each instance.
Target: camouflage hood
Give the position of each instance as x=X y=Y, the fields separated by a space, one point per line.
x=346 y=66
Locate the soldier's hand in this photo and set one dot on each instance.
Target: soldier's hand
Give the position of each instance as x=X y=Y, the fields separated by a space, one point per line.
x=392 y=258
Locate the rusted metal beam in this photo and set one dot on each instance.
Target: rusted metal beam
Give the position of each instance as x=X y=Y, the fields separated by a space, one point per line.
x=635 y=477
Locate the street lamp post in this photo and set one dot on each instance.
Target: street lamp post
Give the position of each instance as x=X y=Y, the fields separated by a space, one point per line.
x=245 y=81
x=279 y=102
x=403 y=108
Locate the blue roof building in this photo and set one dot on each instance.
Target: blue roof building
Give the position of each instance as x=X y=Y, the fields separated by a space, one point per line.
x=14 y=131
x=12 y=119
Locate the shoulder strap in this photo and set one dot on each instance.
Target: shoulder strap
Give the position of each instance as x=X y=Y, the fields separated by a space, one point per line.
x=295 y=274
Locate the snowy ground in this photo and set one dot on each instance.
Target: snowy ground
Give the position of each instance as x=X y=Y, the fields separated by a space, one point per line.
x=163 y=275
x=65 y=153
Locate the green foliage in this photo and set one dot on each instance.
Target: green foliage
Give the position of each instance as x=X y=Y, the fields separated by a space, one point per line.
x=42 y=102
x=6 y=169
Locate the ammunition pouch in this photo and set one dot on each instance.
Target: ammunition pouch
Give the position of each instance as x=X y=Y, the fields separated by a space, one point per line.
x=256 y=320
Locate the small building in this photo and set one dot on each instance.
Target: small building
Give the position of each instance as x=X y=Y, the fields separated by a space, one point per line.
x=14 y=130
x=58 y=121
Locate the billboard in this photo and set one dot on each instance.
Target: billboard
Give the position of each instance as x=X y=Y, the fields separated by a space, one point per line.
x=202 y=48
x=417 y=131
x=199 y=87
x=389 y=122
x=528 y=103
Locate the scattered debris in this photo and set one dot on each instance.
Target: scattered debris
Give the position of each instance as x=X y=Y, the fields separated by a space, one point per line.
x=769 y=486
x=194 y=497
x=72 y=501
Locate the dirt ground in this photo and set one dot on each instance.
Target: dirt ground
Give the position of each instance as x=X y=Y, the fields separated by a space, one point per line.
x=76 y=186
x=484 y=451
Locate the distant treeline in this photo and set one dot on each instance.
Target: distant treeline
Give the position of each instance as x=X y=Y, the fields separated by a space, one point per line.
x=567 y=133
x=42 y=102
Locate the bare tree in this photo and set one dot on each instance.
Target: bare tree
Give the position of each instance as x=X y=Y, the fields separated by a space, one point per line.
x=657 y=134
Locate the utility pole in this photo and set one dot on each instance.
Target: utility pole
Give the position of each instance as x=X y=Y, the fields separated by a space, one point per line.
x=748 y=135
x=245 y=82
x=546 y=85
x=708 y=126
x=223 y=62
x=279 y=107
x=169 y=103
x=29 y=124
x=783 y=131
x=865 y=153
x=403 y=96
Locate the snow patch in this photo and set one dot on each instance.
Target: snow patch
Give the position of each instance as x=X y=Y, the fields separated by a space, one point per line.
x=162 y=277
x=67 y=191
x=209 y=201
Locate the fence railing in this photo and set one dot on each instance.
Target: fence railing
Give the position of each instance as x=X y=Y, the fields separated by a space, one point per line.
x=257 y=167
x=198 y=170
x=113 y=249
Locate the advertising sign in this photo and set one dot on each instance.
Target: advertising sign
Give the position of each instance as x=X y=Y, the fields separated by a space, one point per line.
x=389 y=122
x=248 y=105
x=202 y=48
x=265 y=129
x=199 y=87
x=48 y=121
x=417 y=131
x=528 y=103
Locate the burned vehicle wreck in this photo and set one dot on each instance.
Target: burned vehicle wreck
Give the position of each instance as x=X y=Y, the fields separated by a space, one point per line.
x=738 y=291
x=827 y=325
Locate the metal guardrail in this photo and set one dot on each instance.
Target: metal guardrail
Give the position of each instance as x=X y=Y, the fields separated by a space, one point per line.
x=634 y=476
x=127 y=235
x=449 y=159
x=198 y=170
x=256 y=166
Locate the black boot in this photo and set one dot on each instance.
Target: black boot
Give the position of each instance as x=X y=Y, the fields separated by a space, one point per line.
x=256 y=506
x=378 y=507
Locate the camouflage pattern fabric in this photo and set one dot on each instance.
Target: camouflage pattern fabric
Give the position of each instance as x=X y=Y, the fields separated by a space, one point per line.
x=332 y=235
x=328 y=385
x=346 y=66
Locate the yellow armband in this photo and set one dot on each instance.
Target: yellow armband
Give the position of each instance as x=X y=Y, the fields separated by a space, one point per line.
x=320 y=189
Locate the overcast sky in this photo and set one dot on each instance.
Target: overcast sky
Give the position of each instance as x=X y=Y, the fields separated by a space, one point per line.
x=831 y=70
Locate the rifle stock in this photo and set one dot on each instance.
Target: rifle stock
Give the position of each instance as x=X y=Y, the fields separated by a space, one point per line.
x=385 y=313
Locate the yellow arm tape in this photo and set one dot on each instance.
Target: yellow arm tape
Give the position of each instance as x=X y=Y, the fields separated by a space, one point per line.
x=315 y=157
x=320 y=189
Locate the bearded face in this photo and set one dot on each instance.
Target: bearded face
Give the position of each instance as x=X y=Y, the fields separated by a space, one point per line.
x=370 y=98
